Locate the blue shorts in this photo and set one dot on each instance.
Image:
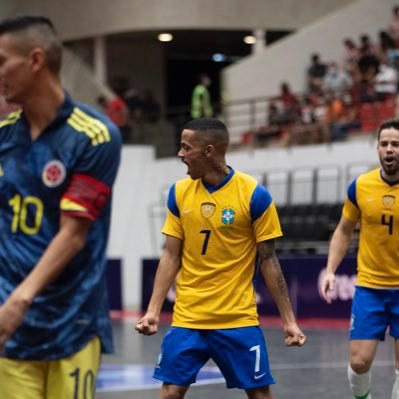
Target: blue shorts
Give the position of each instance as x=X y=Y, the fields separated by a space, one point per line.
x=240 y=353
x=373 y=311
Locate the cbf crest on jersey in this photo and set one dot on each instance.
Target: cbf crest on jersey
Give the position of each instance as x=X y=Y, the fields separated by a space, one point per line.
x=228 y=215
x=54 y=173
x=388 y=201
x=207 y=209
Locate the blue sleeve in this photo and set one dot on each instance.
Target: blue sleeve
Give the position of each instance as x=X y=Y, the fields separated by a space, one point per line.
x=352 y=193
x=260 y=201
x=100 y=160
x=172 y=205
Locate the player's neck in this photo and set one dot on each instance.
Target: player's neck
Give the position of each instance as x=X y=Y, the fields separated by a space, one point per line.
x=390 y=178
x=216 y=175
x=42 y=107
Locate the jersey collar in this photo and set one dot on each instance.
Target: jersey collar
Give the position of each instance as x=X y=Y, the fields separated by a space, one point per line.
x=63 y=114
x=390 y=183
x=212 y=189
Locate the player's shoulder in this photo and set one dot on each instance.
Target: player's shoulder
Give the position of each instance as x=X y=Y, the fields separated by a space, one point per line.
x=185 y=184
x=245 y=180
x=244 y=176
x=369 y=177
x=95 y=125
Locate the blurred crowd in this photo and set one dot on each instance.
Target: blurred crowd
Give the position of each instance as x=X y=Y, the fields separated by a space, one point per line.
x=130 y=107
x=351 y=94
x=354 y=93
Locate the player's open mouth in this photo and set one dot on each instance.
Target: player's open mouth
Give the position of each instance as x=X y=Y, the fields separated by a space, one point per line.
x=389 y=160
x=188 y=167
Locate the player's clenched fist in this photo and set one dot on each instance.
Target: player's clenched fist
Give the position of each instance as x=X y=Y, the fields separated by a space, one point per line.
x=147 y=325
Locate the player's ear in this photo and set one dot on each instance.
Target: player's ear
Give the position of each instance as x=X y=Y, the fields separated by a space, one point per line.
x=209 y=150
x=38 y=59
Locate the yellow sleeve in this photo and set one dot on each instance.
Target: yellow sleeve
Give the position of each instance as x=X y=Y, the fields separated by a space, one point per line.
x=173 y=226
x=267 y=226
x=350 y=211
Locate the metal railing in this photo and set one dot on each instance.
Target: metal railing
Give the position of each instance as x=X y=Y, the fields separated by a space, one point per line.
x=304 y=186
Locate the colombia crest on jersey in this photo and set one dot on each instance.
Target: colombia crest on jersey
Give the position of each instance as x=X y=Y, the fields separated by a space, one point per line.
x=70 y=168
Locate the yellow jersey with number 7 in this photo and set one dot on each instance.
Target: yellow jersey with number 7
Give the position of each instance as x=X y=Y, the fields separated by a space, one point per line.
x=220 y=227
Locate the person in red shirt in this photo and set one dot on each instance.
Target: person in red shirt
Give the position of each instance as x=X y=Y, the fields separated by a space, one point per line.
x=117 y=110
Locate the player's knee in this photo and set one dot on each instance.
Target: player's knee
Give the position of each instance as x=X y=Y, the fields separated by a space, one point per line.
x=359 y=364
x=170 y=391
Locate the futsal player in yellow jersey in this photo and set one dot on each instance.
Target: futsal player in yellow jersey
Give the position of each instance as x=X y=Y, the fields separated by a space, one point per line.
x=372 y=201
x=218 y=221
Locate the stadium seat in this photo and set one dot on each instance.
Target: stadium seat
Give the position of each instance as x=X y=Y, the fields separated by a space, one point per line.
x=385 y=109
x=368 y=117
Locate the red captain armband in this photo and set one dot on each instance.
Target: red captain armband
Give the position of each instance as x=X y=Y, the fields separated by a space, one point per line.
x=85 y=197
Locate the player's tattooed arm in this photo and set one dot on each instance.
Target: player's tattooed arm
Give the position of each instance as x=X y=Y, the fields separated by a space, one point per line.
x=275 y=281
x=273 y=276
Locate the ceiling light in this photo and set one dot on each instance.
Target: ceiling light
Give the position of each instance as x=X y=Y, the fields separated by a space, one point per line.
x=218 y=57
x=249 y=39
x=165 y=37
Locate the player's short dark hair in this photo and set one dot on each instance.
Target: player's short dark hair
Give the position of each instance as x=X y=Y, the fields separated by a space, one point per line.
x=212 y=128
x=21 y=23
x=35 y=31
x=388 y=124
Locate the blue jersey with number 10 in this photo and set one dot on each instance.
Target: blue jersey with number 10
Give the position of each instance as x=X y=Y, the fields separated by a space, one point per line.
x=68 y=169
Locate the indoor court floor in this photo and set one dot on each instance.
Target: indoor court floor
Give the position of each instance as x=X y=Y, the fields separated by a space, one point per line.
x=316 y=370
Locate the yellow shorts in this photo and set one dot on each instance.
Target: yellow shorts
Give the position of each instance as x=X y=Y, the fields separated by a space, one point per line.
x=73 y=377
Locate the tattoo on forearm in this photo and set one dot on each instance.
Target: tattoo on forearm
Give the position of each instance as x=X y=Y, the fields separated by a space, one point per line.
x=280 y=278
x=266 y=254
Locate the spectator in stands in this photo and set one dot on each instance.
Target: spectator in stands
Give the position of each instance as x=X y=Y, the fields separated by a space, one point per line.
x=388 y=49
x=288 y=105
x=308 y=111
x=333 y=108
x=385 y=42
x=351 y=57
x=319 y=106
x=393 y=28
x=386 y=81
x=133 y=102
x=336 y=80
x=201 y=105
x=371 y=202
x=316 y=73
x=342 y=117
x=309 y=129
x=367 y=46
x=117 y=109
x=150 y=107
x=273 y=127
x=368 y=65
x=102 y=103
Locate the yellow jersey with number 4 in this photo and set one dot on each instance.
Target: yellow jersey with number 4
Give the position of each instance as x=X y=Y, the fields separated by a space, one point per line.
x=220 y=227
x=375 y=203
